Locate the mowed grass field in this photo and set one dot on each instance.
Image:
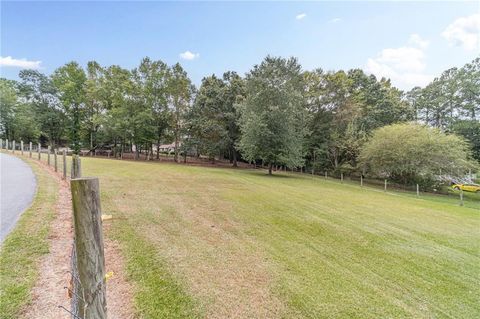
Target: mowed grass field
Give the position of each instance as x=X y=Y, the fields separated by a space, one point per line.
x=224 y=243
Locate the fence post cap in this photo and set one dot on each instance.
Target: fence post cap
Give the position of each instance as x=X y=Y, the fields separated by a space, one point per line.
x=84 y=179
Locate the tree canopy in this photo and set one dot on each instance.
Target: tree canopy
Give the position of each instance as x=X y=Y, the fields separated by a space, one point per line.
x=413 y=153
x=272 y=117
x=277 y=114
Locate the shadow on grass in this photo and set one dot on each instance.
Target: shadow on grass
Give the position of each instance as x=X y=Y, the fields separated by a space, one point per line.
x=280 y=175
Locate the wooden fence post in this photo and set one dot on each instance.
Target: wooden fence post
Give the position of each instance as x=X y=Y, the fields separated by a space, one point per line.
x=418 y=191
x=1 y=143
x=76 y=171
x=361 y=180
x=385 y=187
x=30 y=150
x=39 y=151
x=21 y=147
x=89 y=246
x=461 y=197
x=13 y=146
x=6 y=144
x=55 y=159
x=64 y=164
x=48 y=155
x=341 y=177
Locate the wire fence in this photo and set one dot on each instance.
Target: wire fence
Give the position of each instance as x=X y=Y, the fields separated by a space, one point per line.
x=74 y=288
x=87 y=292
x=76 y=285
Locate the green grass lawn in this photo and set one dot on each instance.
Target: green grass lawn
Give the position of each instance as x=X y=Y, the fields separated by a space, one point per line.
x=22 y=249
x=206 y=242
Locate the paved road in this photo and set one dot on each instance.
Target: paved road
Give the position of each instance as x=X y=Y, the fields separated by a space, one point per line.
x=17 y=188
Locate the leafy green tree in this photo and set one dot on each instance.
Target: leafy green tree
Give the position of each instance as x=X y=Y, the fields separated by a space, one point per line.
x=470 y=130
x=94 y=103
x=272 y=118
x=233 y=93
x=208 y=118
x=8 y=105
x=469 y=90
x=152 y=77
x=17 y=117
x=380 y=102
x=452 y=96
x=38 y=90
x=319 y=119
x=70 y=81
x=412 y=153
x=179 y=95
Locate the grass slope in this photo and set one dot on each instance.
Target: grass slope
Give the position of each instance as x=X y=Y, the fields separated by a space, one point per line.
x=23 y=247
x=196 y=238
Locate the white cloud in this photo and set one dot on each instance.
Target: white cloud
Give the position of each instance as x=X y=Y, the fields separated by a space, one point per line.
x=335 y=20
x=417 y=40
x=300 y=16
x=405 y=65
x=187 y=55
x=19 y=63
x=464 y=32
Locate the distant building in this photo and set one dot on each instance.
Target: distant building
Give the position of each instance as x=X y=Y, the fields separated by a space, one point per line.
x=168 y=148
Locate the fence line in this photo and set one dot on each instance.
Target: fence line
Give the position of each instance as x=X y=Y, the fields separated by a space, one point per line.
x=87 y=285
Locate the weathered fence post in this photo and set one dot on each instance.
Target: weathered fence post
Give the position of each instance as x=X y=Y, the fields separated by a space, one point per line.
x=39 y=151
x=13 y=146
x=418 y=191
x=361 y=180
x=55 y=159
x=48 y=155
x=461 y=197
x=21 y=147
x=341 y=177
x=64 y=157
x=1 y=143
x=76 y=171
x=30 y=150
x=89 y=247
x=385 y=187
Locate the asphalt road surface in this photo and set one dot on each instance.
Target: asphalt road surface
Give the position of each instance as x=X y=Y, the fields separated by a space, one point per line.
x=17 y=189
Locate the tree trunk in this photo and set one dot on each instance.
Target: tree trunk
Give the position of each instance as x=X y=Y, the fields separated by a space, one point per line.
x=91 y=140
x=234 y=158
x=176 y=146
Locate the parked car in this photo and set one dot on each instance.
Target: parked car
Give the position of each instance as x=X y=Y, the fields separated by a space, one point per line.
x=467 y=187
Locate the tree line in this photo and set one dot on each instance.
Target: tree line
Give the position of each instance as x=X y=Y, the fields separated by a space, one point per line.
x=277 y=114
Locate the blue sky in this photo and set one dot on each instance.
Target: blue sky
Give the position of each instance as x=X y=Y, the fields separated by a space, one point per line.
x=411 y=42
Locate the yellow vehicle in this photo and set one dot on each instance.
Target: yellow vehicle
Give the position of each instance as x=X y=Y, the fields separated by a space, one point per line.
x=467 y=187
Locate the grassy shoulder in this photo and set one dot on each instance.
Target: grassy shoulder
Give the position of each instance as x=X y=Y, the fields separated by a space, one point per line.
x=158 y=294
x=25 y=245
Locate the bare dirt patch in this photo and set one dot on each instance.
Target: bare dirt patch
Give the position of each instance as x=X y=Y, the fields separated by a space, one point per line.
x=49 y=292
x=119 y=291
